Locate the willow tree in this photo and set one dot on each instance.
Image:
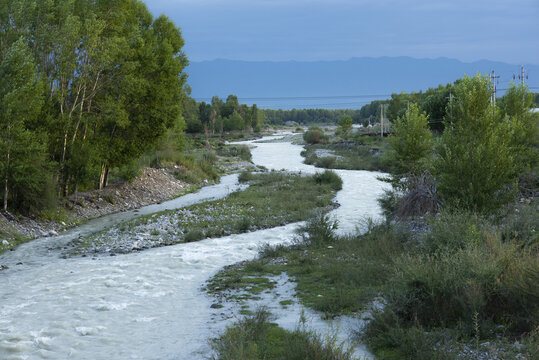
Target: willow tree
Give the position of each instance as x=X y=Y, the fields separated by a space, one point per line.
x=22 y=156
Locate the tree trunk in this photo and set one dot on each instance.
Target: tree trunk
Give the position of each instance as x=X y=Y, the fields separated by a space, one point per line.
x=102 y=177
x=6 y=184
x=106 y=180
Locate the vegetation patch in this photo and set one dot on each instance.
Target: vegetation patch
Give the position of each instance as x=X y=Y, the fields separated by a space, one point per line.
x=357 y=153
x=273 y=199
x=255 y=337
x=454 y=286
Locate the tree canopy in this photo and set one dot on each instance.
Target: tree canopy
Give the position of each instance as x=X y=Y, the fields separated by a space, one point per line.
x=108 y=78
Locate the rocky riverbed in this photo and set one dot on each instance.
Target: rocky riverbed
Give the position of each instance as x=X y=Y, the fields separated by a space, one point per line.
x=152 y=186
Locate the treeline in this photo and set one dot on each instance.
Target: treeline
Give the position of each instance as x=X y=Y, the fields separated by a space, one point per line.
x=86 y=86
x=482 y=155
x=434 y=102
x=222 y=116
x=309 y=116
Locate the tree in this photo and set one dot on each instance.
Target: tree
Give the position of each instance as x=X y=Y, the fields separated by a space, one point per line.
x=345 y=125
x=475 y=166
x=22 y=153
x=516 y=105
x=411 y=143
x=233 y=122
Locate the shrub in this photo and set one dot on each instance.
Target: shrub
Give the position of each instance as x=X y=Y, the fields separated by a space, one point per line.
x=254 y=337
x=492 y=280
x=319 y=230
x=245 y=176
x=420 y=198
x=327 y=162
x=329 y=177
x=244 y=224
x=315 y=135
x=194 y=235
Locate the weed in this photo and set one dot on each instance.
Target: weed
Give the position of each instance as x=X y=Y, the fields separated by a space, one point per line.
x=254 y=337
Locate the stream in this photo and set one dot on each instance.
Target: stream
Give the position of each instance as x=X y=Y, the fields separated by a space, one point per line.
x=149 y=304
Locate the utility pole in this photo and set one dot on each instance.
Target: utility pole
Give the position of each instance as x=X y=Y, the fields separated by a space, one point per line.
x=522 y=76
x=381 y=120
x=493 y=85
x=450 y=101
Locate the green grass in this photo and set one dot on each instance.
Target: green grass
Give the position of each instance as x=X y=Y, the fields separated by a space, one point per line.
x=11 y=237
x=273 y=199
x=365 y=153
x=462 y=281
x=333 y=275
x=255 y=337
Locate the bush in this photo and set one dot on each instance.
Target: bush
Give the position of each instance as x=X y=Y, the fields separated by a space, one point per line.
x=319 y=230
x=194 y=235
x=521 y=226
x=493 y=282
x=327 y=162
x=244 y=224
x=315 y=135
x=329 y=177
x=254 y=337
x=245 y=176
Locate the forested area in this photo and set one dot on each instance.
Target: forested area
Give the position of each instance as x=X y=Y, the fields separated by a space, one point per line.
x=433 y=102
x=222 y=116
x=309 y=116
x=86 y=86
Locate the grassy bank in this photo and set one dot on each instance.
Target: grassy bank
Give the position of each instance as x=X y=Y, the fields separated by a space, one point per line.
x=10 y=238
x=457 y=285
x=357 y=153
x=255 y=337
x=272 y=199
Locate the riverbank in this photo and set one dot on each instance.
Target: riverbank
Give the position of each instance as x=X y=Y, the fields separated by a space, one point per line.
x=354 y=153
x=456 y=286
x=151 y=187
x=272 y=199
x=183 y=173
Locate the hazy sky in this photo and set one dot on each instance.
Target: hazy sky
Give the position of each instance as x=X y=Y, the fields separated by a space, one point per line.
x=468 y=30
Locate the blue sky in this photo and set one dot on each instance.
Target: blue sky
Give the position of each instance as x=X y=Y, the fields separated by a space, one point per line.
x=311 y=30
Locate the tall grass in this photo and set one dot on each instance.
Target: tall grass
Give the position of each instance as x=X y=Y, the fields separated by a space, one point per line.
x=254 y=337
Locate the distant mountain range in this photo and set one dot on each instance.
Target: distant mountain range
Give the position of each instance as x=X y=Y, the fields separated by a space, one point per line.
x=336 y=84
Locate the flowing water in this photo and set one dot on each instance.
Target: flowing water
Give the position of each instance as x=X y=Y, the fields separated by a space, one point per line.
x=146 y=305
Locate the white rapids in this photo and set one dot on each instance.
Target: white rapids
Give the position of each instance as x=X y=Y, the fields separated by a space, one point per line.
x=146 y=305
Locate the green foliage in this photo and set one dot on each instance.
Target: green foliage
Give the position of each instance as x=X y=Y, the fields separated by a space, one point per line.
x=106 y=82
x=366 y=153
x=329 y=177
x=315 y=135
x=254 y=337
x=345 y=126
x=24 y=168
x=272 y=199
x=476 y=165
x=319 y=230
x=309 y=116
x=411 y=142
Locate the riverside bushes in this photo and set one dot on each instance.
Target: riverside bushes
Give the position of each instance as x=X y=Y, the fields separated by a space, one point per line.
x=315 y=135
x=465 y=275
x=254 y=337
x=330 y=178
x=458 y=278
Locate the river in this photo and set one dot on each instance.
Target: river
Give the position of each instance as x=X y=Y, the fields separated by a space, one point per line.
x=146 y=305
